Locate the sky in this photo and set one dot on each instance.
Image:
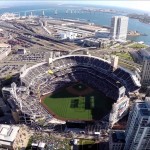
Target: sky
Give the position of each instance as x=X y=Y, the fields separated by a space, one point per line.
x=133 y=4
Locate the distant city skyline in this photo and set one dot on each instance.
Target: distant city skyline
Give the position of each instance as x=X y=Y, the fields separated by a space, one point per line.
x=140 y=5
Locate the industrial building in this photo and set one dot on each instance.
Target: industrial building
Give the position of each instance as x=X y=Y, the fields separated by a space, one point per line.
x=9 y=16
x=102 y=34
x=138 y=126
x=119 y=27
x=5 y=49
x=21 y=51
x=70 y=29
x=97 y=42
x=8 y=135
x=67 y=35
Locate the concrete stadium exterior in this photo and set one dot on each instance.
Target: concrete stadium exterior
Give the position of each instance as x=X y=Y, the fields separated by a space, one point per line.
x=47 y=77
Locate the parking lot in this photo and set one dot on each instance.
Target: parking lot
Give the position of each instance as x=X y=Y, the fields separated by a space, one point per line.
x=31 y=57
x=8 y=69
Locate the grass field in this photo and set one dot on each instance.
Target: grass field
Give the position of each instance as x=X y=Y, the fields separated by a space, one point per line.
x=138 y=46
x=71 y=107
x=123 y=55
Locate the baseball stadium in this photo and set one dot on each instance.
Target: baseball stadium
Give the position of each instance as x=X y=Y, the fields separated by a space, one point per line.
x=72 y=87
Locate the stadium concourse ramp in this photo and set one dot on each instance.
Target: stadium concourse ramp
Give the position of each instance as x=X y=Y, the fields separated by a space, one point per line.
x=47 y=77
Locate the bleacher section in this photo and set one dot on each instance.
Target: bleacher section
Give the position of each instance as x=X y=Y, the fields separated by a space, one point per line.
x=64 y=65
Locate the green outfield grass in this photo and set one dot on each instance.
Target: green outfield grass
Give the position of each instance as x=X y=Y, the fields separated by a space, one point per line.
x=68 y=106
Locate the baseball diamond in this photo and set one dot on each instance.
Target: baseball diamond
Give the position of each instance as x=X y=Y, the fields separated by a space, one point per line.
x=80 y=102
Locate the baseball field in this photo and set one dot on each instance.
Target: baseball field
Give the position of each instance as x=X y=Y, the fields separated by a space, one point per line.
x=77 y=102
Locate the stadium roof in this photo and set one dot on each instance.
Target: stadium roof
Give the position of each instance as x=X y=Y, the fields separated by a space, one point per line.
x=57 y=58
x=66 y=56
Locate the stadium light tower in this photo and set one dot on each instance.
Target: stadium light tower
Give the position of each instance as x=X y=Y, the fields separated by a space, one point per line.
x=23 y=70
x=13 y=86
x=49 y=57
